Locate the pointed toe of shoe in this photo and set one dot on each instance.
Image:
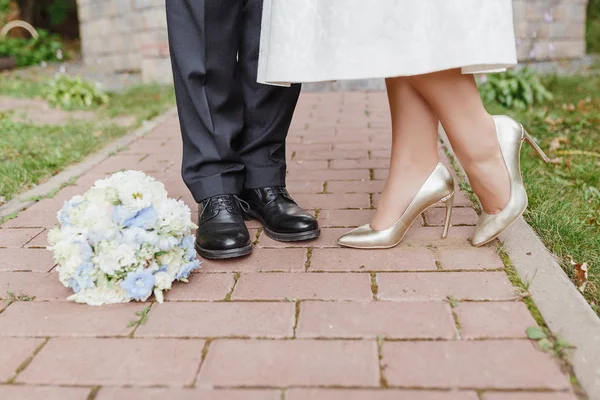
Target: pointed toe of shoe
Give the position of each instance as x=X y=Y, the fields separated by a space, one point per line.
x=354 y=238
x=479 y=239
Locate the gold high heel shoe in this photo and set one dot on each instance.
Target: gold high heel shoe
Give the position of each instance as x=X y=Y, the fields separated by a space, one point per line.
x=439 y=187
x=511 y=136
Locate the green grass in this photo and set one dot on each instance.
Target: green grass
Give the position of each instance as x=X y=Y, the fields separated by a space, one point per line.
x=593 y=36
x=29 y=153
x=565 y=197
x=593 y=27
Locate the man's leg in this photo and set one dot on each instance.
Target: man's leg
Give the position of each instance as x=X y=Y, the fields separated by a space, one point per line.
x=268 y=110
x=268 y=113
x=204 y=38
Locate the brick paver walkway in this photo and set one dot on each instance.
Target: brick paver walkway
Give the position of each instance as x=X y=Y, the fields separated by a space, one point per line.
x=428 y=320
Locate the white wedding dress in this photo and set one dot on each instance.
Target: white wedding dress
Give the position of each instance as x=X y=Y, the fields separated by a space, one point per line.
x=325 y=40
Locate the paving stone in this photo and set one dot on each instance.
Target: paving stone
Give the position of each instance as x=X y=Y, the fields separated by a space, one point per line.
x=328 y=238
x=120 y=162
x=309 y=147
x=469 y=258
x=427 y=286
x=261 y=260
x=43 y=319
x=281 y=363
x=303 y=286
x=44 y=286
x=112 y=393
x=330 y=175
x=358 y=164
x=497 y=364
x=16 y=238
x=201 y=287
x=329 y=155
x=344 y=218
x=377 y=394
x=395 y=259
x=20 y=392
x=306 y=165
x=35 y=260
x=528 y=396
x=297 y=187
x=494 y=320
x=333 y=201
x=40 y=241
x=363 y=186
x=32 y=219
x=460 y=216
x=14 y=352
x=116 y=362
x=245 y=319
x=424 y=235
x=431 y=320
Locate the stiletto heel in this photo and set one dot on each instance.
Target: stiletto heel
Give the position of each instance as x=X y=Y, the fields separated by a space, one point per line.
x=511 y=136
x=449 y=202
x=527 y=137
x=439 y=187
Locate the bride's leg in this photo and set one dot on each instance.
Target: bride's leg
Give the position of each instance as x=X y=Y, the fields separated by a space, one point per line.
x=414 y=151
x=455 y=99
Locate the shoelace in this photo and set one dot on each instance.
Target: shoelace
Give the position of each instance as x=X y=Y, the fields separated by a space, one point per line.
x=219 y=203
x=277 y=190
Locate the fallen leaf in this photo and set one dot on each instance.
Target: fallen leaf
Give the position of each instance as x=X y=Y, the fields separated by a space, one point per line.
x=579 y=153
x=568 y=107
x=557 y=142
x=553 y=122
x=581 y=274
x=557 y=160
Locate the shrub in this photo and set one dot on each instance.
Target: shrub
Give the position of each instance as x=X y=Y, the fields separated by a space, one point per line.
x=515 y=89
x=47 y=47
x=74 y=93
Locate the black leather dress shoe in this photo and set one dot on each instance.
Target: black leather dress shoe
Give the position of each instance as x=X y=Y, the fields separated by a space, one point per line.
x=222 y=232
x=281 y=217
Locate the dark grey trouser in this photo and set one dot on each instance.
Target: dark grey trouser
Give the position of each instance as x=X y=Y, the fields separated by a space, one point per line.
x=233 y=128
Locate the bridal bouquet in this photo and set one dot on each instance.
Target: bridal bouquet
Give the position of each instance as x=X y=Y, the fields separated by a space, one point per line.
x=123 y=240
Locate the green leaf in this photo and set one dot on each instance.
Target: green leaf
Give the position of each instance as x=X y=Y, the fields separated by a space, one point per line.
x=536 y=333
x=562 y=342
x=545 y=345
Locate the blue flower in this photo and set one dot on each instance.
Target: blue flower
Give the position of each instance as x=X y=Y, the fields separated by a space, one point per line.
x=122 y=214
x=64 y=215
x=186 y=270
x=167 y=243
x=144 y=219
x=139 y=285
x=86 y=250
x=133 y=234
x=83 y=278
x=188 y=245
x=162 y=269
x=73 y=284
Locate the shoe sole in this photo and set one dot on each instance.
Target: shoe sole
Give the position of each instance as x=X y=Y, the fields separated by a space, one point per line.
x=284 y=237
x=223 y=254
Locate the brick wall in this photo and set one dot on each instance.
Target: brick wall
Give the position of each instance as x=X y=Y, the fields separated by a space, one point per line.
x=126 y=35
x=550 y=29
